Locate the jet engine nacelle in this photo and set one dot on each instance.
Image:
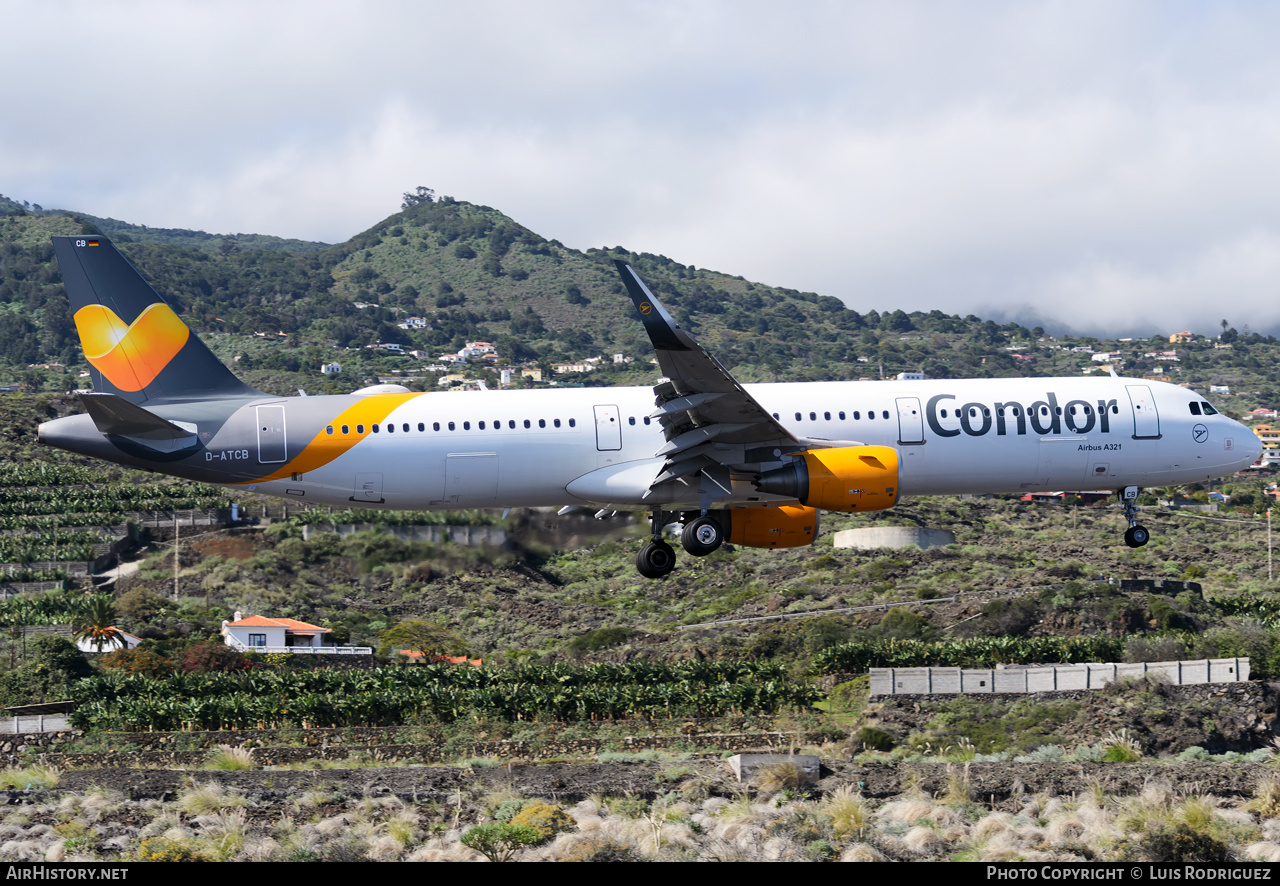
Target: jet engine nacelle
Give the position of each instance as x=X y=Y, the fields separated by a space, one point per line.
x=782 y=527
x=848 y=479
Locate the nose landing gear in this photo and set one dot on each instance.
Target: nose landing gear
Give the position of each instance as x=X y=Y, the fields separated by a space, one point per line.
x=1136 y=535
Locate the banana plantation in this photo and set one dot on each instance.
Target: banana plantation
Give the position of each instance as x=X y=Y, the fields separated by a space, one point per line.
x=976 y=652
x=389 y=696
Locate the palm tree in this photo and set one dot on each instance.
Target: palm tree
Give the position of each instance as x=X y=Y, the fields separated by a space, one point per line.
x=96 y=622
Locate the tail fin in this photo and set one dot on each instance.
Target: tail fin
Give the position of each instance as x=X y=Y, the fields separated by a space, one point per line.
x=138 y=347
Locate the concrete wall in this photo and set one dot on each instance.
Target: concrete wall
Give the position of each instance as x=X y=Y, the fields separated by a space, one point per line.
x=1055 y=678
x=893 y=537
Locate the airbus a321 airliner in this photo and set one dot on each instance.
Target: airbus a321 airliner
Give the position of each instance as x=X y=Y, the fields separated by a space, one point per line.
x=748 y=464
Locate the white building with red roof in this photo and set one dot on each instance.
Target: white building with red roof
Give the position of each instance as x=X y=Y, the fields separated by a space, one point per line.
x=258 y=633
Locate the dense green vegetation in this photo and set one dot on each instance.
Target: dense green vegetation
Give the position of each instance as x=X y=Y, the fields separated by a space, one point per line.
x=977 y=652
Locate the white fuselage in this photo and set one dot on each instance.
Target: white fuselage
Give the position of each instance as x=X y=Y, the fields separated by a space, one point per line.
x=595 y=446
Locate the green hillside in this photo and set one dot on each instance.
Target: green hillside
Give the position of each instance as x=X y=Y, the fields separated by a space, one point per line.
x=475 y=274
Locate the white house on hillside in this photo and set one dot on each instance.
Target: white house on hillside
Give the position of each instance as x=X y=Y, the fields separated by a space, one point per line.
x=257 y=633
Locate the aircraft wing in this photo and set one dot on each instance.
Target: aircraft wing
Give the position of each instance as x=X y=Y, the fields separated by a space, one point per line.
x=710 y=422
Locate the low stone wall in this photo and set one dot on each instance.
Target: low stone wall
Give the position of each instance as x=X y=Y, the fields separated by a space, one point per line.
x=1216 y=716
x=157 y=749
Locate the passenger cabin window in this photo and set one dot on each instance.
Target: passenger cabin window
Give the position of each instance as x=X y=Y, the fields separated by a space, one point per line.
x=827 y=416
x=556 y=422
x=481 y=426
x=346 y=429
x=422 y=427
x=884 y=413
x=329 y=430
x=466 y=425
x=542 y=422
x=526 y=423
x=452 y=427
x=797 y=416
x=646 y=420
x=573 y=422
x=813 y=416
x=632 y=420
x=375 y=429
x=359 y=429
x=842 y=416
x=435 y=426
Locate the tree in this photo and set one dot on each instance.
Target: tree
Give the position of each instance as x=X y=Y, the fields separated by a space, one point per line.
x=418 y=197
x=423 y=636
x=96 y=624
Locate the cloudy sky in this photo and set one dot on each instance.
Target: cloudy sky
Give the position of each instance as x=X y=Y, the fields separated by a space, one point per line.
x=1107 y=165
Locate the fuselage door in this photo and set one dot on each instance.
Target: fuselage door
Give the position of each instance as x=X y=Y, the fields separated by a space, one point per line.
x=910 y=421
x=608 y=428
x=271 y=440
x=1146 y=421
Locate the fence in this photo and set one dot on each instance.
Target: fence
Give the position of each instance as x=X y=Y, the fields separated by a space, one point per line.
x=435 y=533
x=28 y=723
x=1054 y=678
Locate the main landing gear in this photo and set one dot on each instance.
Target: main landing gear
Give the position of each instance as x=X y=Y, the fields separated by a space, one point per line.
x=703 y=534
x=1136 y=535
x=657 y=558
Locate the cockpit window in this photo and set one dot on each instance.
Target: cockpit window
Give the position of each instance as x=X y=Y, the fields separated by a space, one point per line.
x=1195 y=408
x=1208 y=409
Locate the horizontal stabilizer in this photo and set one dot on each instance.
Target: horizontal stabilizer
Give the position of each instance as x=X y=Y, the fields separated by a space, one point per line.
x=116 y=415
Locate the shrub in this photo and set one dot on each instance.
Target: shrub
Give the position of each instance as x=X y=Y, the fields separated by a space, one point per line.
x=165 y=849
x=875 y=739
x=544 y=818
x=1178 y=844
x=599 y=639
x=499 y=841
x=209 y=656
x=601 y=849
x=229 y=759
x=137 y=661
x=780 y=777
x=507 y=809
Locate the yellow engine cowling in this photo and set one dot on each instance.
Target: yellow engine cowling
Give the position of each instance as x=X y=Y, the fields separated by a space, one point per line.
x=848 y=479
x=782 y=527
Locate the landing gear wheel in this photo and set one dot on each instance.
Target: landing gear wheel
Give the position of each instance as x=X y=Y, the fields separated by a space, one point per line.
x=656 y=559
x=1136 y=536
x=702 y=536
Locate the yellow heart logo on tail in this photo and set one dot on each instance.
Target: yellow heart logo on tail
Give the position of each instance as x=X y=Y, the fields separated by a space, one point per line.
x=130 y=356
